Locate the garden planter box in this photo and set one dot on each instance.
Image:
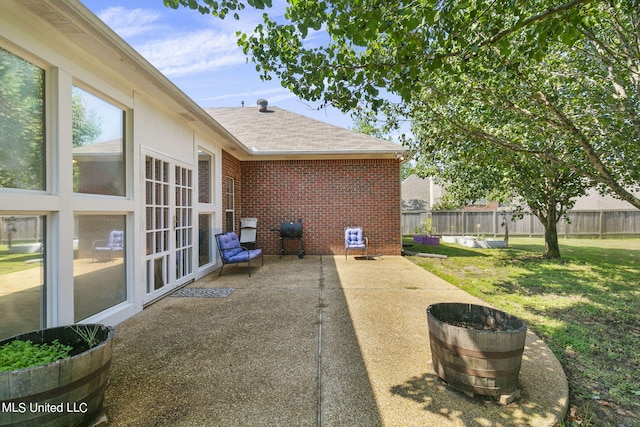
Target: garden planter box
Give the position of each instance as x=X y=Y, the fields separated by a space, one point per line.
x=493 y=243
x=484 y=243
x=474 y=242
x=426 y=240
x=476 y=349
x=68 y=392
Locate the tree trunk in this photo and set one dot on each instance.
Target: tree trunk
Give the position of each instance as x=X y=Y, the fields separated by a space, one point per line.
x=551 y=247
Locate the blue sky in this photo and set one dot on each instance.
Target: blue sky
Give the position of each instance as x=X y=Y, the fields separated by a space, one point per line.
x=200 y=55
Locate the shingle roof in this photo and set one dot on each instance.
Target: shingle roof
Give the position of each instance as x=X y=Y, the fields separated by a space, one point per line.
x=281 y=132
x=106 y=147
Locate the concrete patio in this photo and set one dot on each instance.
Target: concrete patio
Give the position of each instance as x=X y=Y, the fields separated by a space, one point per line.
x=319 y=341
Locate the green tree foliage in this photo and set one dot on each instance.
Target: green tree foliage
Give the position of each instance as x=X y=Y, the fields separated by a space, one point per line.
x=21 y=123
x=218 y=8
x=571 y=67
x=463 y=135
x=552 y=85
x=86 y=125
x=22 y=138
x=545 y=189
x=368 y=128
x=362 y=125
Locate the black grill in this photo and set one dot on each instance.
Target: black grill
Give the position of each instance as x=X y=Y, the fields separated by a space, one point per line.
x=291 y=230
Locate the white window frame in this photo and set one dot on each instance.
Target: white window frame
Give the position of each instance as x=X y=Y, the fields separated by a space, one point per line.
x=209 y=209
x=230 y=209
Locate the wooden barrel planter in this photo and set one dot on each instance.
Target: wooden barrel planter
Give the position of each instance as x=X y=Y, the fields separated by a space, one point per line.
x=68 y=392
x=476 y=349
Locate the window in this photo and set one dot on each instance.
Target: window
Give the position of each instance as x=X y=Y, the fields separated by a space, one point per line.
x=204 y=239
x=98 y=145
x=204 y=177
x=206 y=208
x=22 y=166
x=22 y=285
x=229 y=210
x=99 y=263
x=22 y=118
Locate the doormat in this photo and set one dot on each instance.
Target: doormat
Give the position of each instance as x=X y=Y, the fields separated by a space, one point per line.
x=203 y=292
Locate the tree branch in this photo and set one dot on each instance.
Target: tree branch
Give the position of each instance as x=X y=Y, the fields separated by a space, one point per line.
x=534 y=19
x=604 y=175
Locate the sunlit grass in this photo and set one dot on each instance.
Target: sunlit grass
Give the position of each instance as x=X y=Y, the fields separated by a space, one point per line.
x=10 y=263
x=586 y=307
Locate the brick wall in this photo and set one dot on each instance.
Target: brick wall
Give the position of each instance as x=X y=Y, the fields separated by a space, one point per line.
x=328 y=195
x=231 y=168
x=204 y=180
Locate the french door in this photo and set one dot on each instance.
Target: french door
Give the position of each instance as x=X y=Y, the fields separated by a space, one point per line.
x=169 y=225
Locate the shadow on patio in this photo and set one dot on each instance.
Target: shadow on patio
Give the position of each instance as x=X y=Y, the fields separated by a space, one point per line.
x=308 y=342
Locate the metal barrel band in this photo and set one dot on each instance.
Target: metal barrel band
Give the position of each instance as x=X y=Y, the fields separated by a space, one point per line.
x=474 y=353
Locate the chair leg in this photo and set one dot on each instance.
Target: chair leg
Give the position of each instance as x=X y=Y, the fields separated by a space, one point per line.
x=221 y=270
x=249 y=262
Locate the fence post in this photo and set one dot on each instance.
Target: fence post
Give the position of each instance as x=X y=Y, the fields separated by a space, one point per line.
x=530 y=225
x=464 y=225
x=495 y=230
x=600 y=222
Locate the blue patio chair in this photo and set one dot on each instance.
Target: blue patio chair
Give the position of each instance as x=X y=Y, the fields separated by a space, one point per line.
x=232 y=253
x=354 y=239
x=109 y=247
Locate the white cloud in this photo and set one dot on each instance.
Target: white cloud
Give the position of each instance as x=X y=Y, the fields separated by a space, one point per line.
x=131 y=22
x=255 y=93
x=182 y=43
x=169 y=48
x=282 y=97
x=193 y=52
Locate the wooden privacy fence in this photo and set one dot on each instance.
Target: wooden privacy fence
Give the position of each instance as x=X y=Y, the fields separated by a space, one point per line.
x=20 y=229
x=623 y=223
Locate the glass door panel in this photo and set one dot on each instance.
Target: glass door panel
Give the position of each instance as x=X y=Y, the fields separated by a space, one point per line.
x=157 y=228
x=169 y=225
x=183 y=222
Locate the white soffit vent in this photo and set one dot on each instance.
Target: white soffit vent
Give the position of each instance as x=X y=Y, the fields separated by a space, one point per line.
x=52 y=16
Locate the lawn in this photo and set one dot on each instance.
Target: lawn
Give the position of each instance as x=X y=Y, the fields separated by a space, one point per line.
x=10 y=263
x=586 y=307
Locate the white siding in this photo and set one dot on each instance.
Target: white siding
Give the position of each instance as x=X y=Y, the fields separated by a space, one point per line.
x=152 y=125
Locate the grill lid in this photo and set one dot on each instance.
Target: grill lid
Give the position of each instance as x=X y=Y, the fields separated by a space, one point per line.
x=291 y=230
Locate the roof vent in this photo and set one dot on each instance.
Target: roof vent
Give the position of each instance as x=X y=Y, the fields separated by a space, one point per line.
x=263 y=105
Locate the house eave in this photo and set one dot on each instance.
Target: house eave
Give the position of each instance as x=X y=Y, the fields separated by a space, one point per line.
x=323 y=155
x=77 y=23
